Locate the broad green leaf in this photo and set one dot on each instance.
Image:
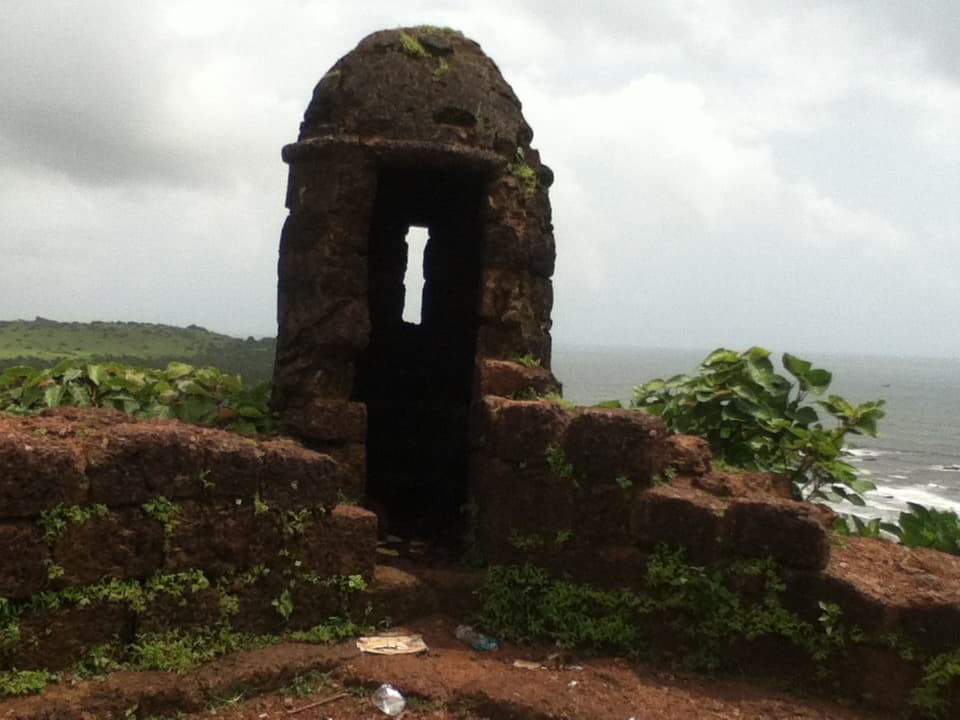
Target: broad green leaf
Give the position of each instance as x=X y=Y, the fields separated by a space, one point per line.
x=176 y=370
x=71 y=374
x=79 y=395
x=818 y=380
x=862 y=486
x=720 y=355
x=97 y=374
x=53 y=396
x=805 y=415
x=795 y=366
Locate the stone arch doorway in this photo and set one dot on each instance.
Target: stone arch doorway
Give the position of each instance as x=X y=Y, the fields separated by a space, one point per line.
x=416 y=378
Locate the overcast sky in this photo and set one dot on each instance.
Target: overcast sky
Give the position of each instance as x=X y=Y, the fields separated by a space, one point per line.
x=727 y=173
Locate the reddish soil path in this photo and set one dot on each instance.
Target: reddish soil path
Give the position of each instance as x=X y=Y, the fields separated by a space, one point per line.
x=451 y=681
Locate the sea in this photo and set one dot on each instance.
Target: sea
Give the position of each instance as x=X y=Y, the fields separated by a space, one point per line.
x=914 y=459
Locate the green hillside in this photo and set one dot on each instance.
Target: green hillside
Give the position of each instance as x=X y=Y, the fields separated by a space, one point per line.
x=42 y=343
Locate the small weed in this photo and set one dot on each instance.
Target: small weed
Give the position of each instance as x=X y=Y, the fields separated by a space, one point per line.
x=283 y=604
x=55 y=521
x=526 y=175
x=561 y=467
x=259 y=506
x=54 y=571
x=24 y=682
x=334 y=630
x=609 y=404
x=558 y=399
x=306 y=684
x=624 y=482
x=98 y=661
x=442 y=68
x=938 y=674
x=165 y=512
x=412 y=47
x=176 y=584
x=526 y=543
x=527 y=360
x=295 y=521
x=665 y=476
x=181 y=651
x=343 y=499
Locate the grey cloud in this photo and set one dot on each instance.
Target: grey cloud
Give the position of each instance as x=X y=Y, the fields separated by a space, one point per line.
x=85 y=89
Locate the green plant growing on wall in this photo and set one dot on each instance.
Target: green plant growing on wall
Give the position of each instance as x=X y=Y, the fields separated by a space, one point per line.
x=165 y=512
x=560 y=466
x=295 y=522
x=755 y=418
x=283 y=604
x=526 y=543
x=938 y=674
x=443 y=67
x=9 y=624
x=526 y=175
x=54 y=522
x=412 y=47
x=527 y=360
x=697 y=607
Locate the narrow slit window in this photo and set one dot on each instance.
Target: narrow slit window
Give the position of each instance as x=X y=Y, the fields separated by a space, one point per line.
x=413 y=278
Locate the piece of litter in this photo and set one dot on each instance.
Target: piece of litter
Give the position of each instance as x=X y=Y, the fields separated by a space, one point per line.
x=388 y=551
x=388 y=700
x=476 y=640
x=573 y=683
x=392 y=644
x=527 y=665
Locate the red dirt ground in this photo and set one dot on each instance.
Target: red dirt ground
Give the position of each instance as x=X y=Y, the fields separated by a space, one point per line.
x=452 y=681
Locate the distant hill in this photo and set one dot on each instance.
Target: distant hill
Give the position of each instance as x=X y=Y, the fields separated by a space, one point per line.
x=43 y=342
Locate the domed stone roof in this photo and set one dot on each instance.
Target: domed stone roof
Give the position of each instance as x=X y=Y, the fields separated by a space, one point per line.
x=424 y=84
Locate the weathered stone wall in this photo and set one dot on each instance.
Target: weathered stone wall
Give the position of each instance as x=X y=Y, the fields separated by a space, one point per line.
x=111 y=528
x=590 y=493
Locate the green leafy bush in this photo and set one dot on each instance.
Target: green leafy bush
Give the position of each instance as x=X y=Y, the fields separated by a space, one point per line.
x=203 y=396
x=928 y=527
x=755 y=418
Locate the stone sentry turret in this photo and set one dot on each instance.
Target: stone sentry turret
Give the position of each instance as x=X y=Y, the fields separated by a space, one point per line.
x=414 y=127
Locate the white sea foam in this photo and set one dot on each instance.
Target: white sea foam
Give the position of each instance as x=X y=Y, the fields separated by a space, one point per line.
x=863 y=453
x=892 y=497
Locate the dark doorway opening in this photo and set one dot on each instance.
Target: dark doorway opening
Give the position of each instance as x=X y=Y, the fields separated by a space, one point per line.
x=416 y=378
